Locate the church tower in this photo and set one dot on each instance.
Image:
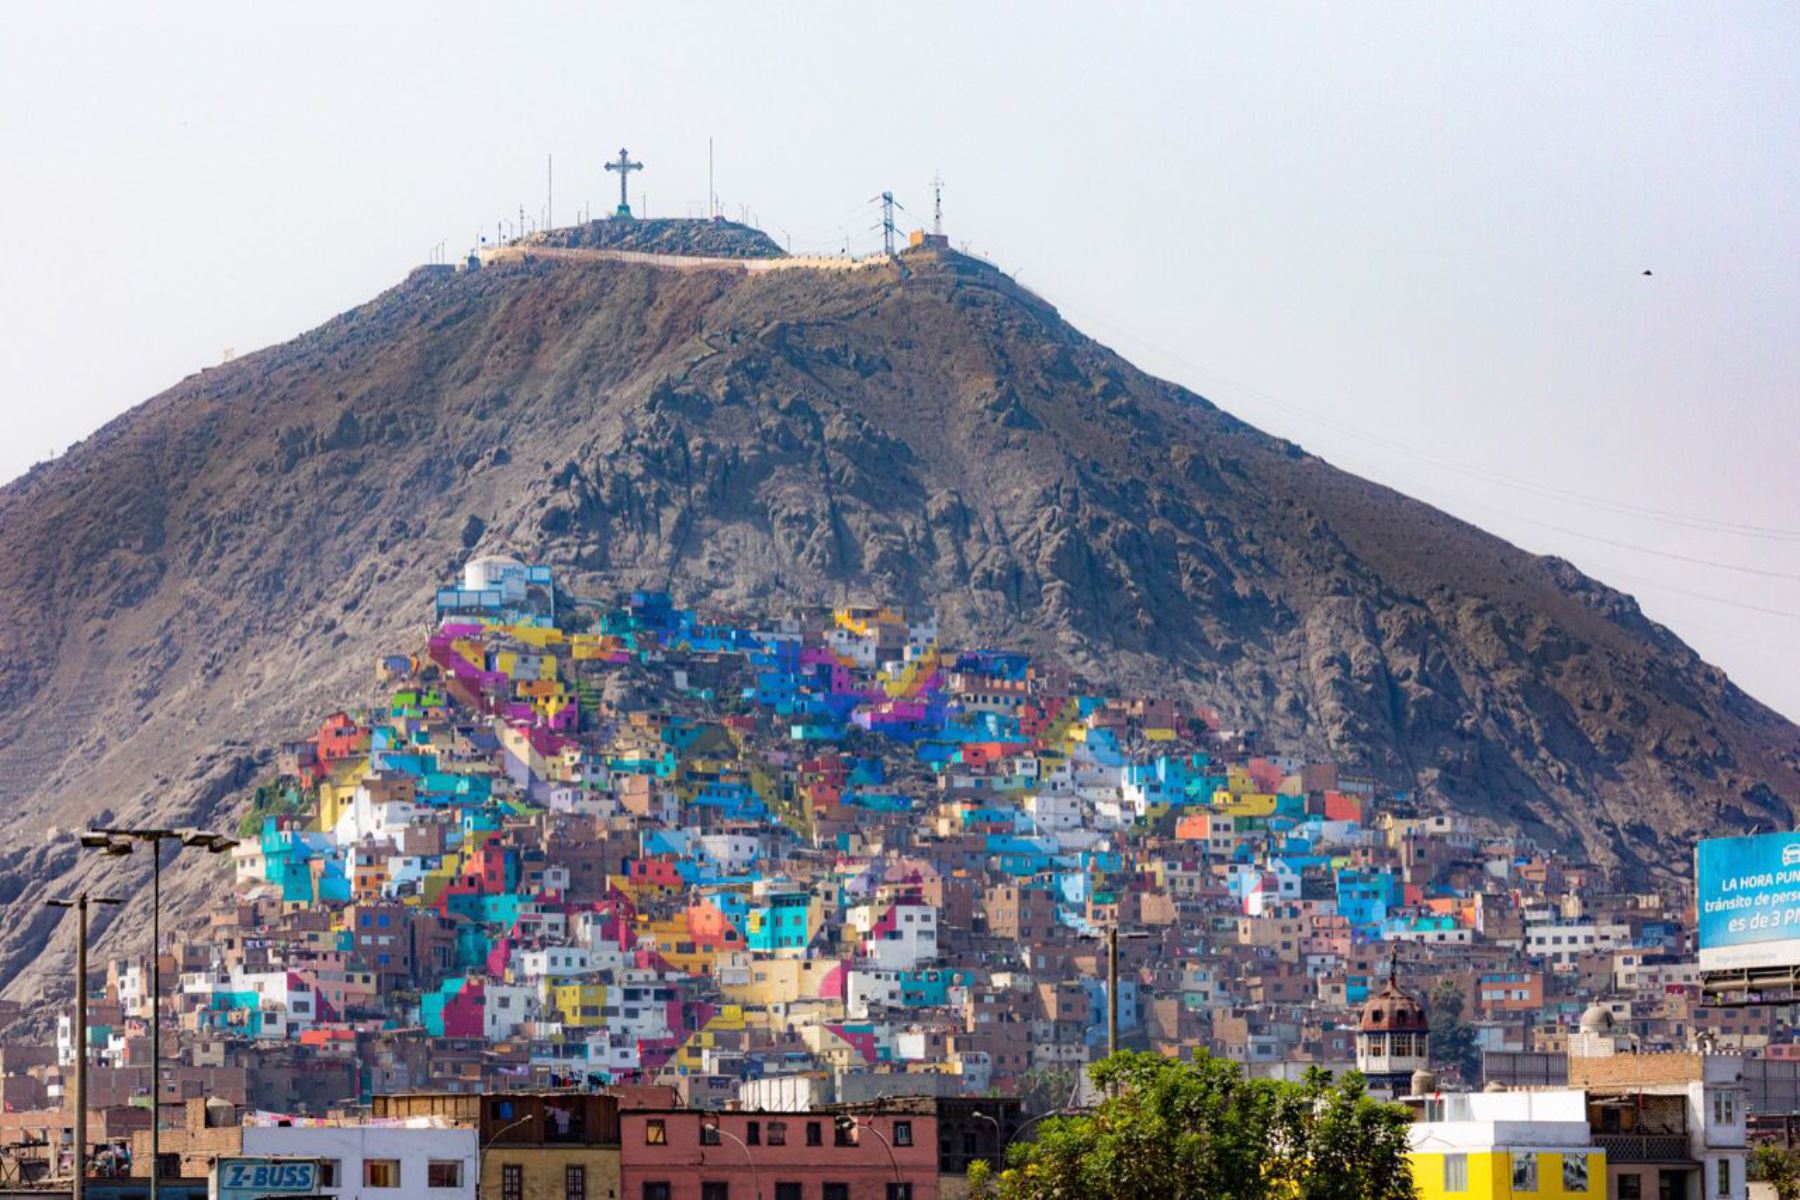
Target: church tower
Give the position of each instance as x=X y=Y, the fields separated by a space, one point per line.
x=1393 y=1039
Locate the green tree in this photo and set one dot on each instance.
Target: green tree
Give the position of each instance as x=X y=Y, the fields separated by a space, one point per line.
x=1045 y=1089
x=1779 y=1167
x=1453 y=1042
x=1175 y=1130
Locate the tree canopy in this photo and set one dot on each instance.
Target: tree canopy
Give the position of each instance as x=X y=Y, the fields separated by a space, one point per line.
x=1199 y=1130
x=1453 y=1039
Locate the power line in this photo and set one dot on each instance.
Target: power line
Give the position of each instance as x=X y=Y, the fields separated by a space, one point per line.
x=1549 y=491
x=1656 y=584
x=1595 y=537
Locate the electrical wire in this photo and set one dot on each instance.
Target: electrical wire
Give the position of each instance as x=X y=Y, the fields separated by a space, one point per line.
x=1431 y=457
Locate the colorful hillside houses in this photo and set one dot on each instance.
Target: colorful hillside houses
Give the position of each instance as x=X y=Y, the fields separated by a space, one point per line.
x=627 y=841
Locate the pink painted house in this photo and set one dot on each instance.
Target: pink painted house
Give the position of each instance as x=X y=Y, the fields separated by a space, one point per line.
x=684 y=1154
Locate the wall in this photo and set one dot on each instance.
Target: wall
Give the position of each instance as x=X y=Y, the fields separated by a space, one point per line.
x=1634 y=1070
x=351 y=1145
x=544 y=1171
x=866 y=1167
x=1490 y=1175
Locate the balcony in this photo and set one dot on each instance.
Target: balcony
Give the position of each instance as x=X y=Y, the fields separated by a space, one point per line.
x=1644 y=1147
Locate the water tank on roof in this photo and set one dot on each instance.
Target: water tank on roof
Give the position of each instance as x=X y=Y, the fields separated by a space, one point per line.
x=495 y=571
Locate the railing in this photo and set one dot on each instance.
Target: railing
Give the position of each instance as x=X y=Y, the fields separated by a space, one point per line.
x=1644 y=1147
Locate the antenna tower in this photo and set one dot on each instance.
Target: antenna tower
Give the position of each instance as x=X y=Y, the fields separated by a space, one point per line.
x=937 y=205
x=887 y=224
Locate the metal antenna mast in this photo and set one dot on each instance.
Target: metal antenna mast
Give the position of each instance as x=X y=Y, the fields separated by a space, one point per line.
x=549 y=191
x=887 y=224
x=937 y=205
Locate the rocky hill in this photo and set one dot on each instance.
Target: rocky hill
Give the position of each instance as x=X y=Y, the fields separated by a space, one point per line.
x=706 y=239
x=208 y=572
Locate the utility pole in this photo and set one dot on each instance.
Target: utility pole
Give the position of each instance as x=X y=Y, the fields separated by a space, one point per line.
x=78 y=1186
x=1112 y=990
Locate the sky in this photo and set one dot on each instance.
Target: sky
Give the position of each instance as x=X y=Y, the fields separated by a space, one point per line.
x=1411 y=237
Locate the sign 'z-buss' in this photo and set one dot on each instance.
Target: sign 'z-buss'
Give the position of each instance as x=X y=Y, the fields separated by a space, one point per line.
x=251 y=1178
x=1748 y=901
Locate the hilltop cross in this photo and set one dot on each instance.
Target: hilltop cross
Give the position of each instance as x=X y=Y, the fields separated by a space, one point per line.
x=624 y=167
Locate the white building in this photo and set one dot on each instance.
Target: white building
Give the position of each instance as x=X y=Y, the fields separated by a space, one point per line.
x=1561 y=943
x=378 y=1162
x=896 y=937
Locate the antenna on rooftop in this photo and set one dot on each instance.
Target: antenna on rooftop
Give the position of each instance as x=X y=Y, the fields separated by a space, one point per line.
x=937 y=204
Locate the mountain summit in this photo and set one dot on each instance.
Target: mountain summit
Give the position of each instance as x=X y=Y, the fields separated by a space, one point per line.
x=220 y=564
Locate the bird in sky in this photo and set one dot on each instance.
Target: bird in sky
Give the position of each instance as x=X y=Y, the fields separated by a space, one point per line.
x=1646 y=272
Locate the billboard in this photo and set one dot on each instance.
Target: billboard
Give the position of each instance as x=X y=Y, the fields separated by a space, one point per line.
x=1748 y=901
x=250 y=1178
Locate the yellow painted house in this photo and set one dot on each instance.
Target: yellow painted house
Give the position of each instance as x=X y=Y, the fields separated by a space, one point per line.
x=1482 y=1145
x=582 y=1005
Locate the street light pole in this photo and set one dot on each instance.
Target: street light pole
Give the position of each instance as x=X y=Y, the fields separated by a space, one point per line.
x=120 y=842
x=998 y=1133
x=848 y=1122
x=755 y=1176
x=78 y=1186
x=481 y=1154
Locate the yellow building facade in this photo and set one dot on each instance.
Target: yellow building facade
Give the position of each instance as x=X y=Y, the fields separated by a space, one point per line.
x=1563 y=1174
x=1482 y=1145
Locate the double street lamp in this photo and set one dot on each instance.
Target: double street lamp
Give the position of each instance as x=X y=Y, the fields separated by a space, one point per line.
x=78 y=1188
x=118 y=843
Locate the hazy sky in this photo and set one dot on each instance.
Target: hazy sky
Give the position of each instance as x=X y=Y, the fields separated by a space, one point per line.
x=1410 y=237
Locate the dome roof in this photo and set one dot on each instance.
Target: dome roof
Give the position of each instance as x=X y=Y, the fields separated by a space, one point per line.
x=1391 y=1010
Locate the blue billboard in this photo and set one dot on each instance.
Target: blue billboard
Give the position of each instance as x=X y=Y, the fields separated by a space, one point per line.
x=1748 y=901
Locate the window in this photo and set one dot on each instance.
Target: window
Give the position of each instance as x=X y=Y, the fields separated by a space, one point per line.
x=902 y=1133
x=656 y=1133
x=1575 y=1173
x=575 y=1182
x=777 y=1133
x=443 y=1173
x=660 y=1191
x=512 y=1182
x=788 y=1191
x=1524 y=1172
x=715 y=1189
x=753 y=1133
x=899 y=1191
x=835 y=1191
x=1724 y=1177
x=1631 y=1187
x=331 y=1170
x=843 y=1132
x=381 y=1172
x=815 y=1134
x=1456 y=1172
x=709 y=1133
